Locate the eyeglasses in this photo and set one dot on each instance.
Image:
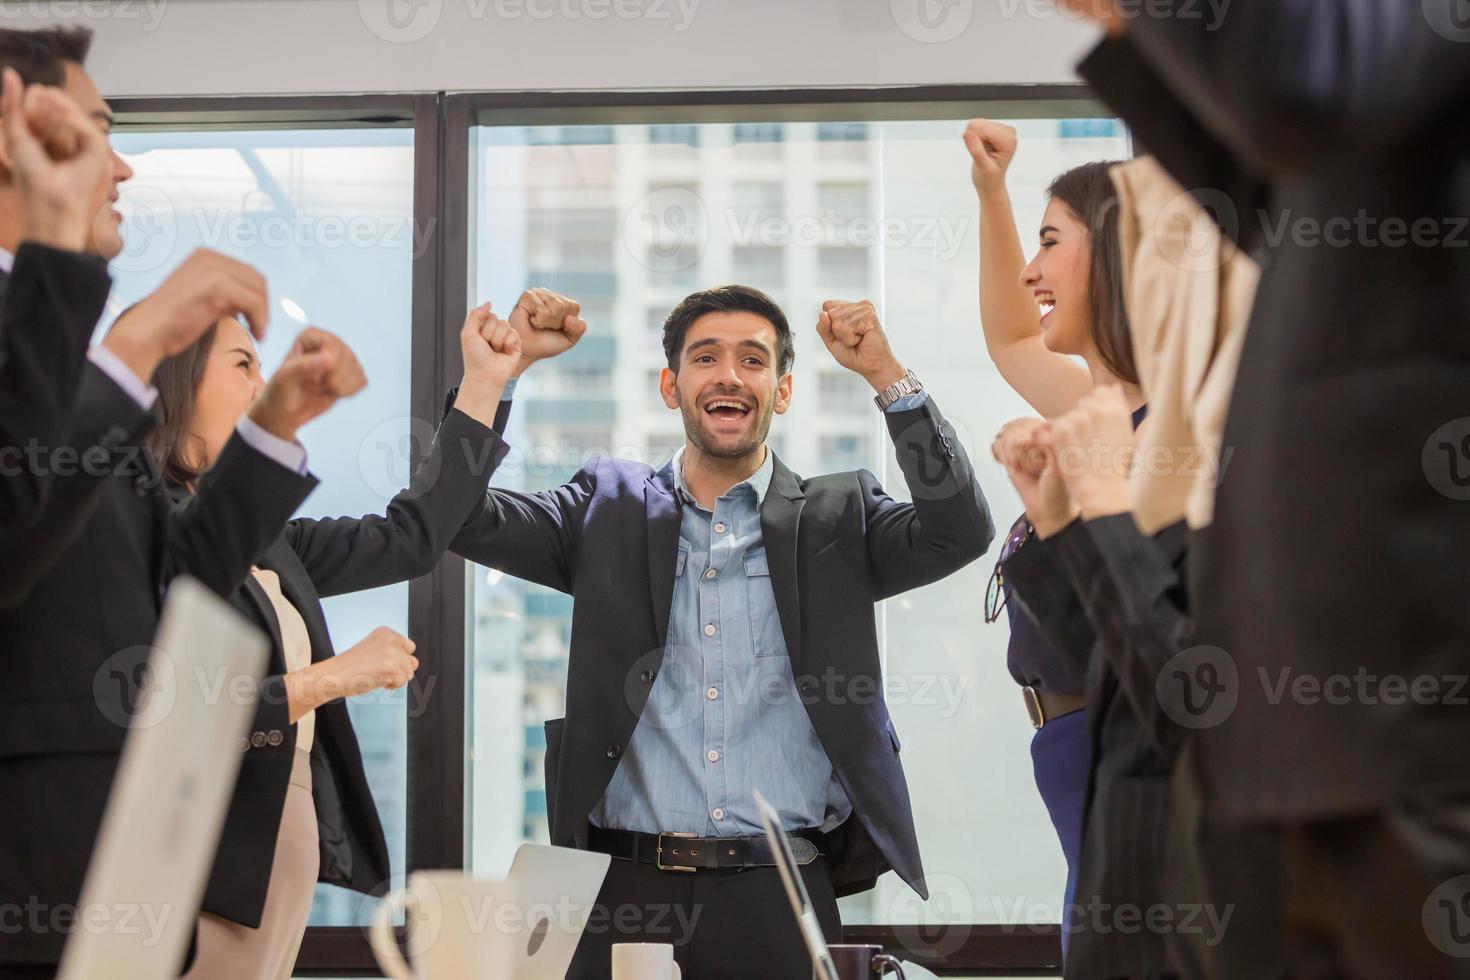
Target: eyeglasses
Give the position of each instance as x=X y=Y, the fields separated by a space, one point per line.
x=996 y=593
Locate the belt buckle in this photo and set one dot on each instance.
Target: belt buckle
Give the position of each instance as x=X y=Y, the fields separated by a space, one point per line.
x=659 y=861
x=1033 y=707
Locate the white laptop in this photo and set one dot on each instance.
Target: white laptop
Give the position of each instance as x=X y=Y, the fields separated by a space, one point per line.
x=161 y=828
x=801 y=902
x=556 y=889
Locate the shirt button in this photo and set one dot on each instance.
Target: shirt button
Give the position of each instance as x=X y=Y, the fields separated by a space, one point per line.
x=718 y=813
x=713 y=694
x=711 y=573
x=709 y=629
x=712 y=755
x=719 y=527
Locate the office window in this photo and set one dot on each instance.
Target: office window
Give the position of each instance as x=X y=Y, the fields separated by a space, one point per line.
x=677 y=144
x=844 y=452
x=843 y=271
x=842 y=143
x=761 y=266
x=988 y=845
x=327 y=217
x=844 y=393
x=845 y=202
x=680 y=135
x=755 y=142
x=751 y=202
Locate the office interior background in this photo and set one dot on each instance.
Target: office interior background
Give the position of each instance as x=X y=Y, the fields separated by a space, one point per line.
x=389 y=163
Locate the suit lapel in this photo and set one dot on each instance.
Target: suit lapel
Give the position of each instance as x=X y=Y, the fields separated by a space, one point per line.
x=663 y=546
x=780 y=518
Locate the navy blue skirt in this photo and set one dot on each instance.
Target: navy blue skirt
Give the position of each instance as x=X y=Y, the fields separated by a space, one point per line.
x=1061 y=756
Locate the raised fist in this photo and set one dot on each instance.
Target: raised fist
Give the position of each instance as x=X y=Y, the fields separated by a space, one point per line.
x=60 y=161
x=853 y=334
x=1033 y=469
x=1093 y=445
x=548 y=324
x=318 y=371
x=992 y=146
x=384 y=660
x=491 y=349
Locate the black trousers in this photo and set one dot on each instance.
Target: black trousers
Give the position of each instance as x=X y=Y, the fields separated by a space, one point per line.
x=1231 y=877
x=723 y=925
x=1382 y=896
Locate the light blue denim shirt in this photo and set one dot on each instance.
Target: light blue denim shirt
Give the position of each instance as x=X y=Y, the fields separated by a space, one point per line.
x=723 y=718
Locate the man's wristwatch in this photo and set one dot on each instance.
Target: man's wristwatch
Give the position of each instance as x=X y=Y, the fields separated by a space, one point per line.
x=906 y=385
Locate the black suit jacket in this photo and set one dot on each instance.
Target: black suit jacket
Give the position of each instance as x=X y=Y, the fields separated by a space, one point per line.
x=74 y=645
x=837 y=544
x=1134 y=618
x=49 y=305
x=317 y=558
x=1337 y=543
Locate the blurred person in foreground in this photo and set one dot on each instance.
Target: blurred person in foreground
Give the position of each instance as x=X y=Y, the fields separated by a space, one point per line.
x=1331 y=141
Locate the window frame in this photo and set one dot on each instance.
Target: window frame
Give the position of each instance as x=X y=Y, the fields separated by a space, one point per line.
x=440 y=603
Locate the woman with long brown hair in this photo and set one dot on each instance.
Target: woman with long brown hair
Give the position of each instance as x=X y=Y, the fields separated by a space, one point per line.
x=1056 y=328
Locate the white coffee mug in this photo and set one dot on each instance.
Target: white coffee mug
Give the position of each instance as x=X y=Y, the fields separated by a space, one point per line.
x=644 y=961
x=451 y=924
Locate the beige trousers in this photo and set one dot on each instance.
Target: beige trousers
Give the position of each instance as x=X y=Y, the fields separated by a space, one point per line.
x=230 y=951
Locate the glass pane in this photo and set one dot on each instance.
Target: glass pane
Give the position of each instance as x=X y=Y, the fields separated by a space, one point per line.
x=327 y=217
x=808 y=211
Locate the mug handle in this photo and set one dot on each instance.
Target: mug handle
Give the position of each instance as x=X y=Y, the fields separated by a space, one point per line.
x=382 y=941
x=882 y=963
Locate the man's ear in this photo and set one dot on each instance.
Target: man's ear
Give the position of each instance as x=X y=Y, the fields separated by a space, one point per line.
x=667 y=380
x=783 y=393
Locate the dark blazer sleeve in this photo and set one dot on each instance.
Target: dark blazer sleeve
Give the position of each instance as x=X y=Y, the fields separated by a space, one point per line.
x=1296 y=83
x=107 y=432
x=532 y=536
x=502 y=413
x=1042 y=586
x=947 y=526
x=350 y=554
x=241 y=507
x=1135 y=600
x=1170 y=130
x=53 y=300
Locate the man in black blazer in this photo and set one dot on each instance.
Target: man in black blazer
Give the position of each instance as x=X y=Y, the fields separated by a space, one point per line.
x=57 y=232
x=1332 y=141
x=723 y=642
x=56 y=176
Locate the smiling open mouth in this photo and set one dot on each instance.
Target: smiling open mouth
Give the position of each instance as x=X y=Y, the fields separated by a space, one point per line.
x=726 y=409
x=1046 y=302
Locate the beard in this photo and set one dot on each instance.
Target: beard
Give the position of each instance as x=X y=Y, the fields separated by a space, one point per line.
x=717 y=447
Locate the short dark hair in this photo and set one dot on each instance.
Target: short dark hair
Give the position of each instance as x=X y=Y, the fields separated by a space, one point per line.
x=727 y=299
x=1088 y=191
x=41 y=56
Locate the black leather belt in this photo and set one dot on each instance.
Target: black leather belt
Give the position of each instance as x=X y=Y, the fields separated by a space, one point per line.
x=1045 y=706
x=685 y=852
